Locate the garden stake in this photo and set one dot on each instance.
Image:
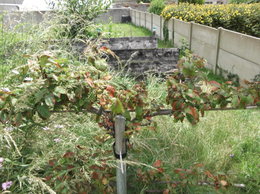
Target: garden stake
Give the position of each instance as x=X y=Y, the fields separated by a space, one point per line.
x=120 y=153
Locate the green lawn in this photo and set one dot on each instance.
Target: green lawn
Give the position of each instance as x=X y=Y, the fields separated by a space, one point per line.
x=123 y=30
x=115 y=30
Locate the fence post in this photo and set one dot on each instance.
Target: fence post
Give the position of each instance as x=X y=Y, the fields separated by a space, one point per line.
x=190 y=40
x=161 y=28
x=145 y=19
x=217 y=50
x=173 y=30
x=120 y=150
x=151 y=21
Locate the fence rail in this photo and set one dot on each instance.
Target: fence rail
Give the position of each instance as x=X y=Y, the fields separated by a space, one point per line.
x=226 y=50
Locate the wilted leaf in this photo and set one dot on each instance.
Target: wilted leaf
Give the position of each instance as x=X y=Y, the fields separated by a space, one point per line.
x=157 y=163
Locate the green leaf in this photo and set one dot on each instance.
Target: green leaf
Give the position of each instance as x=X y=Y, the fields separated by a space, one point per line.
x=127 y=115
x=40 y=94
x=139 y=113
x=49 y=100
x=43 y=60
x=43 y=111
x=117 y=107
x=59 y=90
x=235 y=101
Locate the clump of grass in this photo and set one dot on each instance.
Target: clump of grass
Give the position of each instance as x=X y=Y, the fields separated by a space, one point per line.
x=165 y=44
x=225 y=142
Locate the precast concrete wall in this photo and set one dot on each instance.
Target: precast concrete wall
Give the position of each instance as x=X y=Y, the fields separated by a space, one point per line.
x=23 y=18
x=223 y=49
x=113 y=15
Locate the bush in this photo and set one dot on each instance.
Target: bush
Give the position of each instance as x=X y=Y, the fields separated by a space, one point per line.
x=156 y=6
x=242 y=18
x=75 y=18
x=192 y=1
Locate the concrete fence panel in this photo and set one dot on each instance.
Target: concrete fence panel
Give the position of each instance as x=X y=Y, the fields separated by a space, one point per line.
x=132 y=15
x=181 y=31
x=142 y=19
x=244 y=46
x=113 y=15
x=157 y=24
x=171 y=29
x=149 y=21
x=231 y=63
x=204 y=42
x=137 y=16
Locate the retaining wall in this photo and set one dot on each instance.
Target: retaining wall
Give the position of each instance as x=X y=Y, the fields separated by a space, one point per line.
x=137 y=62
x=131 y=43
x=223 y=49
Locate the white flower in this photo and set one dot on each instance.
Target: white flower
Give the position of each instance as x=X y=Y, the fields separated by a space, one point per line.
x=6 y=185
x=59 y=126
x=57 y=140
x=6 y=89
x=15 y=72
x=9 y=129
x=46 y=128
x=28 y=79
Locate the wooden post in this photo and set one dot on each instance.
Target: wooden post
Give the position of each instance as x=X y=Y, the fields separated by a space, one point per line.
x=120 y=149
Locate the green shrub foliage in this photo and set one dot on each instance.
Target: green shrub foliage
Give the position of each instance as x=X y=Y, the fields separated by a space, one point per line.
x=75 y=17
x=157 y=6
x=242 y=18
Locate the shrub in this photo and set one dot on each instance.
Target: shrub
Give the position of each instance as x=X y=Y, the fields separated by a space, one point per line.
x=192 y=1
x=75 y=17
x=156 y=6
x=242 y=18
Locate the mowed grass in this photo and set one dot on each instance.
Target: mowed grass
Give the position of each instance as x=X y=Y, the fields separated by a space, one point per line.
x=114 y=30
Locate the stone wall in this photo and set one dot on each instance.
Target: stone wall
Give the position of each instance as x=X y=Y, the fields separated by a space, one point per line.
x=137 y=62
x=131 y=43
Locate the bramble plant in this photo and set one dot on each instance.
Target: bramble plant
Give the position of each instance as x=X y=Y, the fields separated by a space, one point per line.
x=47 y=85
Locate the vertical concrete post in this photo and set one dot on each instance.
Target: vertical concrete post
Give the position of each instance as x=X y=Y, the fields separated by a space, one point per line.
x=135 y=17
x=120 y=149
x=151 y=22
x=190 y=38
x=173 y=21
x=217 y=50
x=161 y=28
x=140 y=23
x=145 y=19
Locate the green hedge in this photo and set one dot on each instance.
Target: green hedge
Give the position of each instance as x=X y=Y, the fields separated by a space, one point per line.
x=244 y=18
x=156 y=6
